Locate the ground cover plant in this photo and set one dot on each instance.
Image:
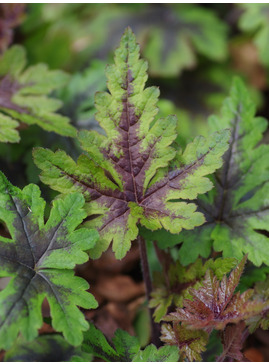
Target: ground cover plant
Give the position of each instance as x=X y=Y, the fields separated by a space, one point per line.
x=133 y=225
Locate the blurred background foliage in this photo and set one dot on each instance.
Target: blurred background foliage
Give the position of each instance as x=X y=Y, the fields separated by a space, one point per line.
x=193 y=51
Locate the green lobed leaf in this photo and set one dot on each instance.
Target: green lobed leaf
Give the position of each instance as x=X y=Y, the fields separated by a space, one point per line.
x=45 y=348
x=237 y=209
x=152 y=354
x=124 y=348
x=25 y=95
x=126 y=176
x=40 y=259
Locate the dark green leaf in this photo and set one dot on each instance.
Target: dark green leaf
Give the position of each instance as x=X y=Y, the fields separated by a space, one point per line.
x=236 y=211
x=40 y=259
x=124 y=347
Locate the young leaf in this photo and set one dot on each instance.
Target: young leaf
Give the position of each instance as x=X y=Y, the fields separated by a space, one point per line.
x=125 y=176
x=40 y=259
x=24 y=94
x=232 y=341
x=255 y=19
x=215 y=304
x=45 y=348
x=237 y=211
x=124 y=348
x=172 y=290
x=191 y=343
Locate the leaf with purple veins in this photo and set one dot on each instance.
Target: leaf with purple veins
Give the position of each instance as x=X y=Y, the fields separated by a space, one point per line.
x=126 y=176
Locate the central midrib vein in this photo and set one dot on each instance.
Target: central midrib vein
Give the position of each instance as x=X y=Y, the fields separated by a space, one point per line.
x=128 y=122
x=24 y=228
x=228 y=165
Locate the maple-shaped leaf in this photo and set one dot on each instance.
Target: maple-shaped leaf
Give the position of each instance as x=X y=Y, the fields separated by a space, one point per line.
x=124 y=348
x=125 y=176
x=24 y=94
x=232 y=341
x=216 y=304
x=40 y=259
x=237 y=210
x=254 y=20
x=191 y=343
x=173 y=286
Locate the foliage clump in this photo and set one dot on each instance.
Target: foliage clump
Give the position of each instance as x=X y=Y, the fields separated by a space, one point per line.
x=137 y=173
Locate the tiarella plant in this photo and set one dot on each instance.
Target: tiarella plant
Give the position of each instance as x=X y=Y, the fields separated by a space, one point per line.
x=133 y=181
x=134 y=175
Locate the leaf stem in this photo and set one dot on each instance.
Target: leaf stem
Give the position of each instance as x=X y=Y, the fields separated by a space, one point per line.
x=155 y=327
